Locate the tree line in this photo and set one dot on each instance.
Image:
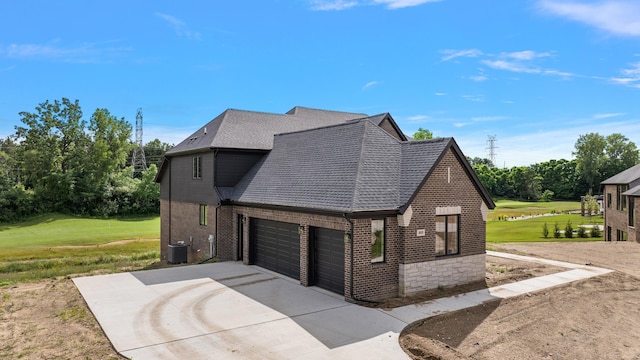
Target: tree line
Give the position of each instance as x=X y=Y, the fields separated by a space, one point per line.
x=57 y=161
x=597 y=158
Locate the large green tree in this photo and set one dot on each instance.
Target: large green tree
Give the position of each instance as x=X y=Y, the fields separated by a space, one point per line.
x=590 y=158
x=422 y=134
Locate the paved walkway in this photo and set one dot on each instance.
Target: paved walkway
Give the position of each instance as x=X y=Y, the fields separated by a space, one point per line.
x=232 y=311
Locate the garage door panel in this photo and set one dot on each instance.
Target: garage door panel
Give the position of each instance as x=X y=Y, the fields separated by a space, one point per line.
x=328 y=259
x=276 y=246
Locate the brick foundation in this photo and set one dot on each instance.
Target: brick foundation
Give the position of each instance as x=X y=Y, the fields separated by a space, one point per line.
x=444 y=272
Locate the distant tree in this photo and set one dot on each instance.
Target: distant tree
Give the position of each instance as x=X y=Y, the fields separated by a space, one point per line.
x=526 y=183
x=422 y=134
x=621 y=154
x=590 y=157
x=480 y=161
x=154 y=152
x=546 y=195
x=487 y=177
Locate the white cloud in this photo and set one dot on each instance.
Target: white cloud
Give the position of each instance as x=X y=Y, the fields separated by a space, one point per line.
x=179 y=27
x=474 y=98
x=617 y=17
x=452 y=54
x=328 y=5
x=525 y=55
x=337 y=5
x=478 y=78
x=398 y=4
x=418 y=118
x=370 y=84
x=606 y=116
x=631 y=76
x=440 y=94
x=460 y=124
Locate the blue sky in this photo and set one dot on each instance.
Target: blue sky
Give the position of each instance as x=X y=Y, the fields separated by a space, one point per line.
x=536 y=74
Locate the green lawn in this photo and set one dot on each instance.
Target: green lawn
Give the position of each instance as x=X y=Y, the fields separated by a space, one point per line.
x=59 y=245
x=63 y=230
x=530 y=230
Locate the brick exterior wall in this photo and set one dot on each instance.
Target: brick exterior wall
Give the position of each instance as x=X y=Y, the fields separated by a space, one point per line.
x=375 y=281
x=617 y=219
x=180 y=221
x=438 y=191
x=449 y=186
x=417 y=277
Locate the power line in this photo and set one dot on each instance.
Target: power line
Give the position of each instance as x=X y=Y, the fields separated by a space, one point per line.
x=139 y=161
x=491 y=141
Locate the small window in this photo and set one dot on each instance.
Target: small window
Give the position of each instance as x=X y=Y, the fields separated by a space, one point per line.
x=197 y=167
x=609 y=200
x=447 y=235
x=621 y=235
x=203 y=215
x=377 y=240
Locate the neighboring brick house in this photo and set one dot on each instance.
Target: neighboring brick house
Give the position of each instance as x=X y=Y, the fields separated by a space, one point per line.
x=338 y=200
x=621 y=193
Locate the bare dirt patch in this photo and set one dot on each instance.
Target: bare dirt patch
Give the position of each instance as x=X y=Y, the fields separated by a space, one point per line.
x=597 y=318
x=49 y=320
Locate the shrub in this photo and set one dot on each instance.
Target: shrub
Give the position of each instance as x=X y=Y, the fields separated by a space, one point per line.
x=556 y=230
x=546 y=195
x=568 y=230
x=595 y=232
x=545 y=230
x=582 y=232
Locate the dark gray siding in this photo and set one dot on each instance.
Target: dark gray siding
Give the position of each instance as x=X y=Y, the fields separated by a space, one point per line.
x=184 y=187
x=231 y=167
x=386 y=125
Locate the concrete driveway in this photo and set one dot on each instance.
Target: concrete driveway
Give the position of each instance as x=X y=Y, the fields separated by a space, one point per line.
x=232 y=311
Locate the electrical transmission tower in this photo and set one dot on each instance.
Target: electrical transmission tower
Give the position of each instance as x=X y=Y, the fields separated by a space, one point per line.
x=139 y=162
x=491 y=142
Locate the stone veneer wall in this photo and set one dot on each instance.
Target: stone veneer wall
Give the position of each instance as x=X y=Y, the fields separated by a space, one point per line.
x=428 y=275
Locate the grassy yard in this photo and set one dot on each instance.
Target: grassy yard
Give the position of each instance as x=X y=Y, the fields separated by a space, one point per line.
x=530 y=229
x=58 y=245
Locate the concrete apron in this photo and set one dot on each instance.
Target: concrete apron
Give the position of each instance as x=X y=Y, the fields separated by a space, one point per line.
x=232 y=311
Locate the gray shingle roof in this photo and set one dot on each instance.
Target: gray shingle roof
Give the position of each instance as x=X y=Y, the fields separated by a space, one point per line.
x=635 y=191
x=240 y=129
x=625 y=177
x=351 y=167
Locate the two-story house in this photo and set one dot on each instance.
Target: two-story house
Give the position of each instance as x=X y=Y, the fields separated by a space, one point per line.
x=621 y=193
x=337 y=200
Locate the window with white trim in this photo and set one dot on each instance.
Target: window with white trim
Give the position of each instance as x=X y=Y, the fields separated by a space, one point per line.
x=447 y=235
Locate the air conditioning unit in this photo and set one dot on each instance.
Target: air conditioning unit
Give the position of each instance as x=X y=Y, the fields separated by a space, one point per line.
x=177 y=253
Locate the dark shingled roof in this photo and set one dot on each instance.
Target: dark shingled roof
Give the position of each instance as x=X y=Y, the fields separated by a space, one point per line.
x=626 y=177
x=240 y=129
x=351 y=167
x=635 y=191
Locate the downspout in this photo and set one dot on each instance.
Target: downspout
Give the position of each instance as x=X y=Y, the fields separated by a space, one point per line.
x=170 y=197
x=353 y=297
